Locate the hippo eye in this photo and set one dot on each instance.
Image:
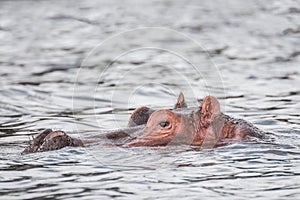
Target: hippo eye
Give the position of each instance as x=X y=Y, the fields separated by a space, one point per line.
x=164 y=124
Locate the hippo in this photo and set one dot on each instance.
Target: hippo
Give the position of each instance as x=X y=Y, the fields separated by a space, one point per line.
x=204 y=126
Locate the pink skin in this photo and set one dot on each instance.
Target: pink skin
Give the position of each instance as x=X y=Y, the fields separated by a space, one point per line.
x=206 y=126
x=55 y=134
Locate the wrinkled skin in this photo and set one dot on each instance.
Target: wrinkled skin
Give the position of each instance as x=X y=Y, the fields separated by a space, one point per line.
x=51 y=140
x=205 y=126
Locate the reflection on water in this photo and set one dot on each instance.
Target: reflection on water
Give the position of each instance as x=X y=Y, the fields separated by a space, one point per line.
x=51 y=78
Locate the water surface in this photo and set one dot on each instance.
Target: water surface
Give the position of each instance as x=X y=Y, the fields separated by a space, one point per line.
x=82 y=67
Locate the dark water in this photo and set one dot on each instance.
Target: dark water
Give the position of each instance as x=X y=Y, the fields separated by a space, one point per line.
x=83 y=66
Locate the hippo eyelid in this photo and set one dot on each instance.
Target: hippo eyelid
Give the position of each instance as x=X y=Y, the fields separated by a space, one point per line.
x=164 y=124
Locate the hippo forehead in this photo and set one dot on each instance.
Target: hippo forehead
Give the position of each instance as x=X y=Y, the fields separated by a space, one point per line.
x=181 y=113
x=186 y=111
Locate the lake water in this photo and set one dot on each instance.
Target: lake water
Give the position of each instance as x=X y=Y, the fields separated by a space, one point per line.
x=82 y=67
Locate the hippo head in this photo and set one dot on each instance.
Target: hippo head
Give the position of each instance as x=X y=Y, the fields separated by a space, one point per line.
x=176 y=127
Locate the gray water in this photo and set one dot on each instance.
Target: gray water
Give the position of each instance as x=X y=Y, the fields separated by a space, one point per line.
x=82 y=67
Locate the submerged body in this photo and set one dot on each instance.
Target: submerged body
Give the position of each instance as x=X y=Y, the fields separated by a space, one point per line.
x=204 y=126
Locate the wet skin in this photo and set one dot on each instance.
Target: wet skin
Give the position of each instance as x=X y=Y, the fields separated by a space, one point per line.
x=205 y=126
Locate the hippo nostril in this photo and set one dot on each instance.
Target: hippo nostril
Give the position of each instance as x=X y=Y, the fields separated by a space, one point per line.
x=164 y=124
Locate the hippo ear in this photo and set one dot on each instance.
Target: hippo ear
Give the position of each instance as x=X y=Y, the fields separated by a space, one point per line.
x=140 y=116
x=180 y=102
x=209 y=109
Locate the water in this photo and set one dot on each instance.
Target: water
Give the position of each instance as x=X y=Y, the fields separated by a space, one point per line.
x=83 y=66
